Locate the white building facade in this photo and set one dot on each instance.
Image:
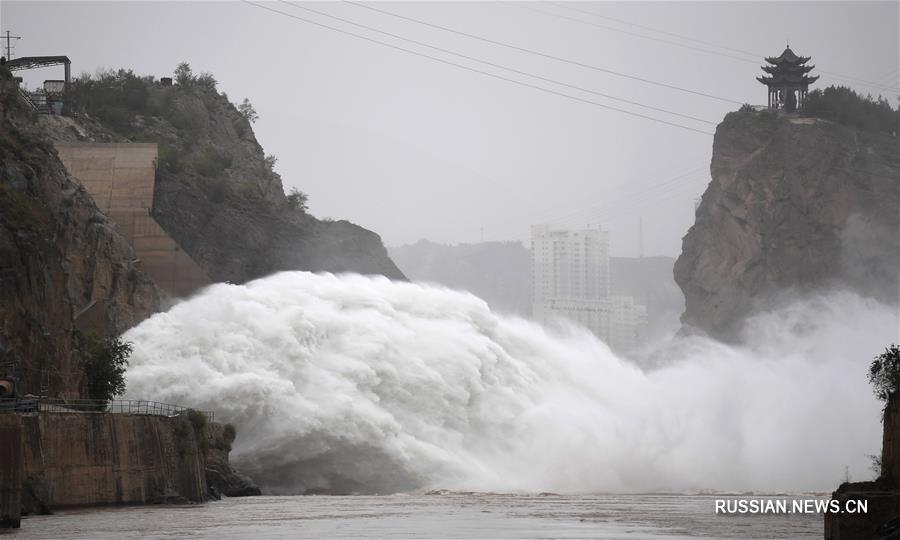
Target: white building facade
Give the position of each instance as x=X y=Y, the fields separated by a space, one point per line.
x=570 y=279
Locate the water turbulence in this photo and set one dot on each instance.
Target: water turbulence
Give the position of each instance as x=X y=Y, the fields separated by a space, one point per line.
x=352 y=384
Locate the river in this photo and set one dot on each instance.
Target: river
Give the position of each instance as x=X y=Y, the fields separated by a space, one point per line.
x=443 y=515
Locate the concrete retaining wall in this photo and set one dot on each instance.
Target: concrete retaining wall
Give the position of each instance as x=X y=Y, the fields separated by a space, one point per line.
x=121 y=178
x=100 y=458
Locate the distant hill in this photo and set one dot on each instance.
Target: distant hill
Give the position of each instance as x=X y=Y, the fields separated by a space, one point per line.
x=650 y=281
x=499 y=273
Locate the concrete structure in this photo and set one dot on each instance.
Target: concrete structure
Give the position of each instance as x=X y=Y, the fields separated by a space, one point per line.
x=121 y=178
x=85 y=459
x=570 y=279
x=11 y=470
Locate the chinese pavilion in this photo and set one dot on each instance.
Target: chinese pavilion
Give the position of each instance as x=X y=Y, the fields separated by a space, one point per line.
x=788 y=80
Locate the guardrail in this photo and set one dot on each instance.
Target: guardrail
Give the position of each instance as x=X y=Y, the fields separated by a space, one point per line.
x=84 y=406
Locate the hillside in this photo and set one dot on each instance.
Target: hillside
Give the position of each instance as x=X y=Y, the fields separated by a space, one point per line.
x=217 y=193
x=796 y=204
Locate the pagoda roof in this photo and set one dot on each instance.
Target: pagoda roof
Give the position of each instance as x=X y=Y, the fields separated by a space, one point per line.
x=787 y=79
x=788 y=69
x=787 y=57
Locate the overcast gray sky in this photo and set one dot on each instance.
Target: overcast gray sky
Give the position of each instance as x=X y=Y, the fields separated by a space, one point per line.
x=414 y=148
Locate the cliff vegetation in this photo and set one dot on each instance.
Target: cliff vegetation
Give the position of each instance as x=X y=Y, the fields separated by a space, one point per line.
x=844 y=106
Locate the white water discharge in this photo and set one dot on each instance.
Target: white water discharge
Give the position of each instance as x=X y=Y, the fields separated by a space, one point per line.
x=359 y=384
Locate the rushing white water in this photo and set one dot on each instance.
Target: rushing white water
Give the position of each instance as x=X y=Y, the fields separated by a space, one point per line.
x=358 y=384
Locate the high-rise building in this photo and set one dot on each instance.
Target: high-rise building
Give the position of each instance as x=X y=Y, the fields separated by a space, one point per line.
x=570 y=279
x=569 y=264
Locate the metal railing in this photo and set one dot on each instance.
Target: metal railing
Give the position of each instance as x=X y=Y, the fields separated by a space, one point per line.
x=83 y=406
x=36 y=101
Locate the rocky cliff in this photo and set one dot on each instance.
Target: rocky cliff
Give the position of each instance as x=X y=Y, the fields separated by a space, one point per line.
x=221 y=477
x=795 y=204
x=63 y=266
x=217 y=193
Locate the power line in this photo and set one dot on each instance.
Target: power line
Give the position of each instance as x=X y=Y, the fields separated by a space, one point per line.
x=544 y=55
x=557 y=213
x=652 y=29
x=623 y=203
x=618 y=201
x=499 y=66
x=614 y=29
x=838 y=76
x=628 y=201
x=474 y=70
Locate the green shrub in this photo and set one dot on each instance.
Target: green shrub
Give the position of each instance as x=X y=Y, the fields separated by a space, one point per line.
x=197 y=418
x=229 y=433
x=247 y=111
x=184 y=75
x=297 y=200
x=212 y=162
x=248 y=192
x=104 y=361
x=115 y=97
x=170 y=159
x=20 y=211
x=844 y=106
x=187 y=119
x=884 y=373
x=217 y=189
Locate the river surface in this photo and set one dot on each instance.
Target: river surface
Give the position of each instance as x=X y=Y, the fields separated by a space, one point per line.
x=445 y=516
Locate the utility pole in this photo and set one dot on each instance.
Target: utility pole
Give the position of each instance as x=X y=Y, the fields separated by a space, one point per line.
x=9 y=39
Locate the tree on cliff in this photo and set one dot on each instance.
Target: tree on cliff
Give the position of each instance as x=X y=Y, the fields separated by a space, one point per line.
x=297 y=200
x=884 y=373
x=104 y=361
x=246 y=109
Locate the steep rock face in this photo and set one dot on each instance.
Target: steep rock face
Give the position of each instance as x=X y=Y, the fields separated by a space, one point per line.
x=62 y=264
x=221 y=477
x=794 y=204
x=217 y=193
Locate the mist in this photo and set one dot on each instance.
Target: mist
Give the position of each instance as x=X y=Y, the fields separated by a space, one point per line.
x=352 y=384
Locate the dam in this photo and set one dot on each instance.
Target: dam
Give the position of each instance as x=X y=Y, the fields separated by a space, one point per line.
x=121 y=177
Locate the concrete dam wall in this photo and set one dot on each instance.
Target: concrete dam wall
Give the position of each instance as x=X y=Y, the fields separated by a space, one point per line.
x=121 y=178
